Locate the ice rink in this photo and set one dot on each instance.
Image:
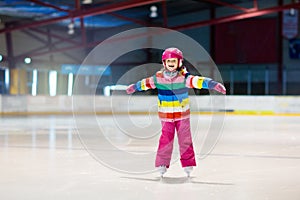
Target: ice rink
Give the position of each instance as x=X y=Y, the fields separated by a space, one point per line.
x=255 y=158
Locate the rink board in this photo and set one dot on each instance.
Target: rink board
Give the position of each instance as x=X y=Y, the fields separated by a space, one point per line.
x=34 y=105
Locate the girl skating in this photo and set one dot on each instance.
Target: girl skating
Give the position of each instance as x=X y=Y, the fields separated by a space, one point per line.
x=173 y=83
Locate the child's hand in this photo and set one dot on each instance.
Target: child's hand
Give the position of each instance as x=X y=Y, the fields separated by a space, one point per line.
x=220 y=88
x=130 y=89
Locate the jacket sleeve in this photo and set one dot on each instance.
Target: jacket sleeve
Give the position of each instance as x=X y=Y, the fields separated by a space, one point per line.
x=145 y=84
x=200 y=82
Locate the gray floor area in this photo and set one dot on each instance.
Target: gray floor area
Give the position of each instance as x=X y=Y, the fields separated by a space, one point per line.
x=51 y=157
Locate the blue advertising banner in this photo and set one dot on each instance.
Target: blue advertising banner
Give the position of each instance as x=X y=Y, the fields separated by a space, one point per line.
x=86 y=69
x=69 y=68
x=294 y=49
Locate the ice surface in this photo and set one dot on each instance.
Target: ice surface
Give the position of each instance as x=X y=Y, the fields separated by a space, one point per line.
x=256 y=157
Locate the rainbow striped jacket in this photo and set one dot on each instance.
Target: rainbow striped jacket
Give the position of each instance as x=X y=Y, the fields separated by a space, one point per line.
x=173 y=98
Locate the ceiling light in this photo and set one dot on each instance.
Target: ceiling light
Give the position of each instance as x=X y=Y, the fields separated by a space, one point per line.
x=71 y=25
x=87 y=1
x=153 y=9
x=153 y=12
x=71 y=28
x=27 y=60
x=292 y=11
x=71 y=31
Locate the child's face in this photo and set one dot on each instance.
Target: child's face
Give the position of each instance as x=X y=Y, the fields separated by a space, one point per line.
x=171 y=64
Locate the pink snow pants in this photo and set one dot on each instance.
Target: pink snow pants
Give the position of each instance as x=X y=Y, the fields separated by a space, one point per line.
x=165 y=147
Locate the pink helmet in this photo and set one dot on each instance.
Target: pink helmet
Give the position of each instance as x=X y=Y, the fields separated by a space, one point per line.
x=172 y=53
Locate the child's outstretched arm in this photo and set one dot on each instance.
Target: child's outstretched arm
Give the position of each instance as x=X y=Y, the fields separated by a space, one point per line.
x=220 y=88
x=131 y=89
x=205 y=83
x=143 y=85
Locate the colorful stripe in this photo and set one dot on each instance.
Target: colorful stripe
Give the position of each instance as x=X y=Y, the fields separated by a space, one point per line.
x=199 y=82
x=178 y=79
x=183 y=103
x=173 y=92
x=176 y=97
x=145 y=84
x=174 y=109
x=174 y=115
x=171 y=86
x=173 y=98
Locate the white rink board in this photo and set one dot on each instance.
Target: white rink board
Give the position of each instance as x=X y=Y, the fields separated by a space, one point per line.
x=124 y=104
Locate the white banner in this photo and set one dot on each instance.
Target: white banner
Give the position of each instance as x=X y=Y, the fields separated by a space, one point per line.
x=290 y=23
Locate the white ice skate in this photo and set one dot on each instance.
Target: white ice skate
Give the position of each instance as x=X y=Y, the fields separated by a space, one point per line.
x=188 y=170
x=162 y=170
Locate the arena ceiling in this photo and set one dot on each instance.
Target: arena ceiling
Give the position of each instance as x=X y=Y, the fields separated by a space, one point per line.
x=101 y=13
x=21 y=14
x=35 y=15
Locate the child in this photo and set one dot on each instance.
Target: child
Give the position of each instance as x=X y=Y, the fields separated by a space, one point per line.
x=172 y=83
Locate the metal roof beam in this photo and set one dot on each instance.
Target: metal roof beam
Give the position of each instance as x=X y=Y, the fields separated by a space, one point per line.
x=165 y=13
x=136 y=21
x=249 y=14
x=53 y=35
x=84 y=13
x=48 y=5
x=255 y=5
x=228 y=5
